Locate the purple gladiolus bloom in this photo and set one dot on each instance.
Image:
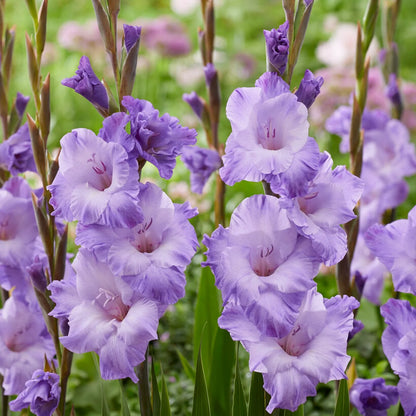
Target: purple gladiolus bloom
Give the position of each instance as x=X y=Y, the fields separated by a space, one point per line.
x=309 y=88
x=277 y=45
x=370 y=274
x=269 y=127
x=167 y=36
x=16 y=153
x=329 y=202
x=202 y=163
x=395 y=246
x=152 y=256
x=389 y=156
x=260 y=261
x=399 y=340
x=314 y=351
x=304 y=167
x=19 y=240
x=340 y=122
x=159 y=140
x=131 y=36
x=41 y=393
x=87 y=84
x=372 y=397
x=96 y=182
x=106 y=316
x=24 y=342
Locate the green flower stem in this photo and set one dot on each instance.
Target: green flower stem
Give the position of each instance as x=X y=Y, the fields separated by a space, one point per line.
x=144 y=390
x=362 y=65
x=4 y=400
x=64 y=376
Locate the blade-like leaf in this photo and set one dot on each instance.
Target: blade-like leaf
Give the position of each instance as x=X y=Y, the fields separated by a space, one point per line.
x=201 y=400
x=342 y=407
x=189 y=370
x=105 y=409
x=222 y=364
x=400 y=412
x=239 y=402
x=164 y=405
x=256 y=401
x=124 y=411
x=207 y=311
x=297 y=412
x=155 y=393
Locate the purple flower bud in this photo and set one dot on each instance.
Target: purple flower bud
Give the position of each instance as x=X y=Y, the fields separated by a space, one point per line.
x=309 y=88
x=131 y=36
x=41 y=393
x=277 y=45
x=21 y=103
x=382 y=56
x=210 y=73
x=37 y=274
x=87 y=84
x=24 y=343
x=308 y=2
x=195 y=102
x=372 y=397
x=393 y=92
x=202 y=163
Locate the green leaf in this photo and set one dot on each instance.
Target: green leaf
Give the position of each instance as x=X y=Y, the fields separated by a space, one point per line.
x=220 y=380
x=400 y=412
x=297 y=412
x=155 y=393
x=124 y=411
x=105 y=408
x=256 y=401
x=342 y=407
x=31 y=4
x=239 y=402
x=207 y=311
x=201 y=400
x=164 y=405
x=189 y=370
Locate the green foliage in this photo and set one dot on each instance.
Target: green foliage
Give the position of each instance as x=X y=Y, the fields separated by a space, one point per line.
x=189 y=370
x=155 y=393
x=297 y=412
x=342 y=407
x=256 y=401
x=164 y=405
x=239 y=28
x=124 y=411
x=201 y=401
x=207 y=311
x=219 y=387
x=239 y=401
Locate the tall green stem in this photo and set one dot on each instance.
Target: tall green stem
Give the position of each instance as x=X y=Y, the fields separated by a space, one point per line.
x=144 y=390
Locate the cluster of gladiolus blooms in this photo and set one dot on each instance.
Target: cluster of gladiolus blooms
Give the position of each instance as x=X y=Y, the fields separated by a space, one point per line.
x=135 y=243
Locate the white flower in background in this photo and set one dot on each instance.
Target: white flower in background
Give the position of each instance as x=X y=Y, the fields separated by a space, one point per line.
x=339 y=49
